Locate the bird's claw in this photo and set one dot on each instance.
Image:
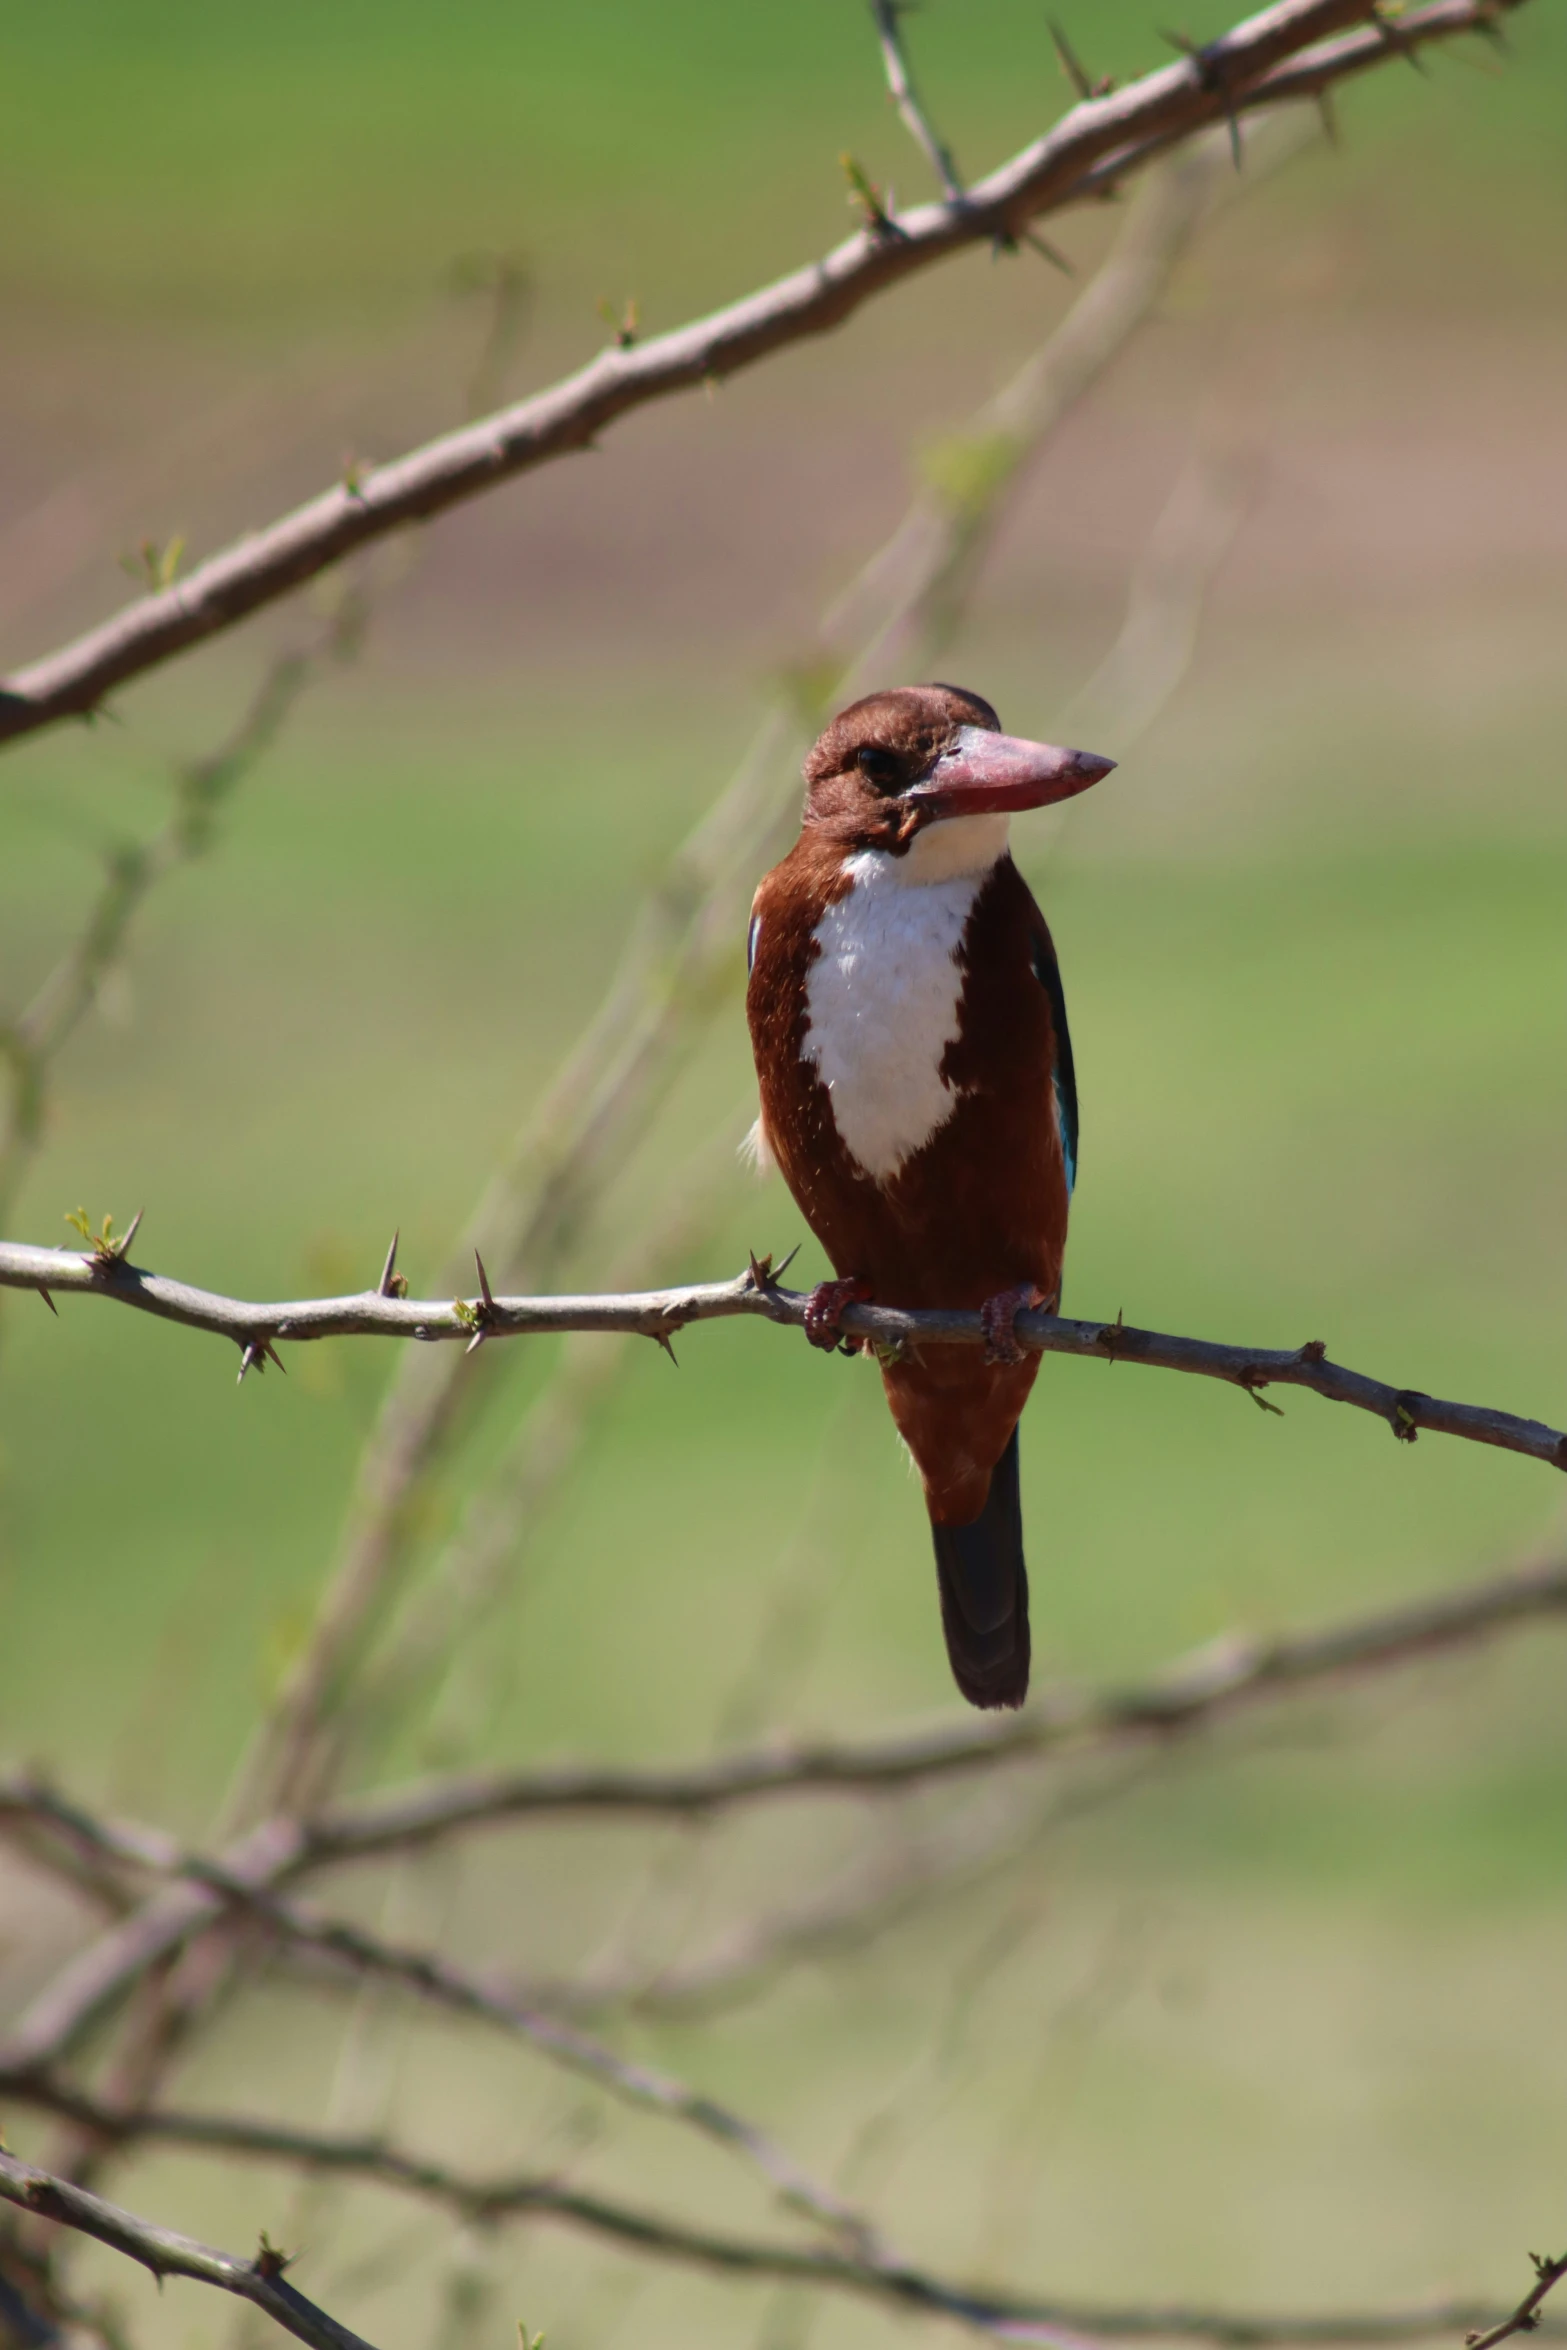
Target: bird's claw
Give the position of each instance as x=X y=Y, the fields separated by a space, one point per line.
x=998 y=1319
x=824 y=1309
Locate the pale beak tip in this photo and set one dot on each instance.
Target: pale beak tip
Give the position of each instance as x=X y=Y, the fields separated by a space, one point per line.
x=1088 y=767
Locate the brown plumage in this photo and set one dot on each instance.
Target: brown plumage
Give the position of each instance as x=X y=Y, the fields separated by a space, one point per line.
x=917 y=1096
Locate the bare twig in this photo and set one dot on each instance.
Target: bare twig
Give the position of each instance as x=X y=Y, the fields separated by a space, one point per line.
x=1295 y=48
x=1215 y=1680
x=984 y=2308
x=1221 y=1678
x=97 y=1976
x=900 y=85
x=658 y=1313
x=446 y=1985
x=1525 y=2319
x=260 y=2281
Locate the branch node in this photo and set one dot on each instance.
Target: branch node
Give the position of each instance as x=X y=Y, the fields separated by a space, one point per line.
x=392 y=1283
x=624 y=324
x=105 y=1248
x=1405 y=1420
x=1114 y=1337
x=1393 y=36
x=1210 y=63
x=1315 y=1350
x=866 y=199
x=1253 y=1379
x=664 y=1334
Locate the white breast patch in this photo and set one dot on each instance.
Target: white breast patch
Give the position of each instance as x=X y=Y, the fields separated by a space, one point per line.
x=882 y=1002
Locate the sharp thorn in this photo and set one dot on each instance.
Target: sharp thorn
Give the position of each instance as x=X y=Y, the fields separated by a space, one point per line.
x=663 y=1339
x=123 y=1251
x=250 y=1358
x=476 y=1341
x=272 y=1355
x=48 y=1301
x=1042 y=246
x=1325 y=108
x=780 y=1270
x=484 y=1284
x=383 y=1287
x=1070 y=63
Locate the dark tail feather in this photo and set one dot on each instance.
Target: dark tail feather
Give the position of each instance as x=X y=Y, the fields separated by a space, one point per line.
x=984 y=1593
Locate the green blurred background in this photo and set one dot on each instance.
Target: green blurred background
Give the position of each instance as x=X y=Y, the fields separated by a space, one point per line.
x=1282 y=2022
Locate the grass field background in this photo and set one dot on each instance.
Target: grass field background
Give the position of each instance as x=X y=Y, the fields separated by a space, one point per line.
x=1278 y=2023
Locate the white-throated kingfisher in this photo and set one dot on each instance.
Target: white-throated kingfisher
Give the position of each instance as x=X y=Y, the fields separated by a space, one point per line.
x=918 y=1097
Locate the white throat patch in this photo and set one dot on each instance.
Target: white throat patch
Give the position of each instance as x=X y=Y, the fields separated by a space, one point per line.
x=883 y=992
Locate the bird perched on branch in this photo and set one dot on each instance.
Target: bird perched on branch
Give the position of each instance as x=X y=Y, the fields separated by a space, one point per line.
x=917 y=1095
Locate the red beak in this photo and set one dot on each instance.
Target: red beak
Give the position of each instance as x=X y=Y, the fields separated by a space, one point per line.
x=986 y=774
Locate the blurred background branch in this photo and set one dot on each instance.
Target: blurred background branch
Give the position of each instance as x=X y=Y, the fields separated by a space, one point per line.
x=994 y=1984
x=1100 y=143
x=906 y=2288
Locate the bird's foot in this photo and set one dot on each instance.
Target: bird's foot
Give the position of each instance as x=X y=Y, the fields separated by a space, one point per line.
x=998 y=1319
x=824 y=1308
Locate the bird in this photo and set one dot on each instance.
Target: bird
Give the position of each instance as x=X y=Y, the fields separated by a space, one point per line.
x=918 y=1097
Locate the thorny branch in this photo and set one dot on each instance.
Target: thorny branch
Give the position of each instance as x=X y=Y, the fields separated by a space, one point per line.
x=899 y=2283
x=660 y=1313
x=1297 y=48
x=1525 y=2319
x=1323 y=67
x=260 y=2281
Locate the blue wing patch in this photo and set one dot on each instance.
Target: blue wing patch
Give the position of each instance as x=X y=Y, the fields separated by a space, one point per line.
x=1063 y=1076
x=752 y=935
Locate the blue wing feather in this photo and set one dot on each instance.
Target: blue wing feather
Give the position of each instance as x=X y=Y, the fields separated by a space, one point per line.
x=1063 y=1076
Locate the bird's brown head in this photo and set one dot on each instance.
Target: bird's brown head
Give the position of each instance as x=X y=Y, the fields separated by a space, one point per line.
x=897 y=762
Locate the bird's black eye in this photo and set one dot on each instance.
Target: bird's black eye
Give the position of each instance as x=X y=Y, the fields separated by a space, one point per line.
x=883 y=769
